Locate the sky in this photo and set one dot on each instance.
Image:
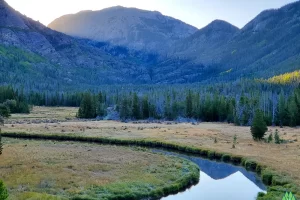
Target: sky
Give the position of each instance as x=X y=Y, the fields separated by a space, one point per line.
x=198 y=13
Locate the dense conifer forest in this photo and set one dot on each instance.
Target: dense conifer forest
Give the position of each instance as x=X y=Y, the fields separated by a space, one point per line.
x=234 y=102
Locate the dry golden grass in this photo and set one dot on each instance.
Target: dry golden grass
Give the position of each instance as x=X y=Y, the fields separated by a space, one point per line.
x=37 y=169
x=284 y=158
x=42 y=113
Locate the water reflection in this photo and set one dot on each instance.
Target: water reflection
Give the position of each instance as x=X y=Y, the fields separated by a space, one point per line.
x=220 y=181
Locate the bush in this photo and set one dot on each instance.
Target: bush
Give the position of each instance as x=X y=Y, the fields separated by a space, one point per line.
x=211 y=155
x=270 y=138
x=267 y=177
x=250 y=165
x=226 y=158
x=277 y=137
x=236 y=160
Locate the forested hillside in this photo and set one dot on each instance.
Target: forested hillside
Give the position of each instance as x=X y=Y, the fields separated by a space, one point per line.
x=268 y=45
x=37 y=58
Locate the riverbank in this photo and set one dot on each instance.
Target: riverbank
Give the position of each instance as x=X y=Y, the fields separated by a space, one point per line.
x=34 y=169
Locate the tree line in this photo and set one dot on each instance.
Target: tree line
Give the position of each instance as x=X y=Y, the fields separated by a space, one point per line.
x=227 y=102
x=277 y=108
x=12 y=101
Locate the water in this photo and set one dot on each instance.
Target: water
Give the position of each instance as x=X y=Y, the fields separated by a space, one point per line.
x=220 y=181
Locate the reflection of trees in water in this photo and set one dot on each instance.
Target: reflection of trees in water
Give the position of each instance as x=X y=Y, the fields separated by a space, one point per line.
x=220 y=170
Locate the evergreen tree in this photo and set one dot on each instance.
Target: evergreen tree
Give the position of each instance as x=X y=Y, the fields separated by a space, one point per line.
x=293 y=111
x=282 y=115
x=124 y=109
x=101 y=105
x=1 y=124
x=277 y=137
x=146 y=109
x=4 y=111
x=136 y=111
x=3 y=191
x=152 y=111
x=259 y=126
x=87 y=108
x=168 y=109
x=189 y=105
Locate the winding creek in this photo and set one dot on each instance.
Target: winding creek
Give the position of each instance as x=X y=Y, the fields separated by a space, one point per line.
x=219 y=181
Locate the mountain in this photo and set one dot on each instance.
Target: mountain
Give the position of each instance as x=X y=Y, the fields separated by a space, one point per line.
x=205 y=40
x=268 y=45
x=130 y=27
x=35 y=56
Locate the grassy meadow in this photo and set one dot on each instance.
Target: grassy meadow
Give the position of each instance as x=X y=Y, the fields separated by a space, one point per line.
x=283 y=158
x=68 y=170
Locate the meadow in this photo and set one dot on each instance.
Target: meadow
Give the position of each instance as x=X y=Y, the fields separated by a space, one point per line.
x=34 y=169
x=283 y=158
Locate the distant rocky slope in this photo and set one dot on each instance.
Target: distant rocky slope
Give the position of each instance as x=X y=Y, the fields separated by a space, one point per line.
x=34 y=56
x=131 y=27
x=268 y=45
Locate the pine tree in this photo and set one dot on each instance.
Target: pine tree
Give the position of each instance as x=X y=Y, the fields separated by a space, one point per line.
x=87 y=108
x=281 y=109
x=146 y=109
x=259 y=126
x=293 y=112
x=277 y=137
x=168 y=109
x=4 y=111
x=124 y=109
x=136 y=111
x=1 y=124
x=3 y=191
x=189 y=105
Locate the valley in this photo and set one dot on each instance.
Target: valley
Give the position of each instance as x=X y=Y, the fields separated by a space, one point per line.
x=128 y=103
x=215 y=137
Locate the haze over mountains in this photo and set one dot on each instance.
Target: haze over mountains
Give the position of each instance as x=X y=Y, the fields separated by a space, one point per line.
x=130 y=27
x=125 y=45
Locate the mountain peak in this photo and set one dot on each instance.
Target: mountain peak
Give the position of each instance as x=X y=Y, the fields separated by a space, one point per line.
x=10 y=17
x=131 y=27
x=269 y=19
x=220 y=25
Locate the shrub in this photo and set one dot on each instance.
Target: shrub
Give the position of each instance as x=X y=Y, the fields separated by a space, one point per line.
x=211 y=154
x=226 y=158
x=277 y=137
x=236 y=159
x=270 y=138
x=250 y=165
x=267 y=177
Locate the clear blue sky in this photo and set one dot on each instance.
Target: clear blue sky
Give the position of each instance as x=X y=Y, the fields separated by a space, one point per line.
x=195 y=12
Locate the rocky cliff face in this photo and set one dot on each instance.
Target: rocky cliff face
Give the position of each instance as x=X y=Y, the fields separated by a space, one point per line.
x=131 y=27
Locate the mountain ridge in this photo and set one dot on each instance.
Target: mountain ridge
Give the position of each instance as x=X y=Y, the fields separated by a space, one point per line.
x=131 y=27
x=30 y=52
